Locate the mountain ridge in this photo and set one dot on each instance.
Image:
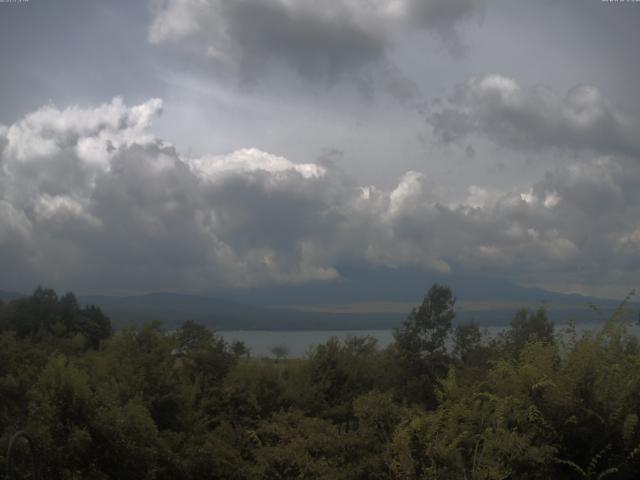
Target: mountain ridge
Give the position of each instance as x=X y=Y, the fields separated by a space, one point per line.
x=361 y=300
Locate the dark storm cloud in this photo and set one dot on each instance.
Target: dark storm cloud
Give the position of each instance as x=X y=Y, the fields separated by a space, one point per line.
x=535 y=118
x=441 y=14
x=442 y=17
x=86 y=190
x=319 y=40
x=316 y=46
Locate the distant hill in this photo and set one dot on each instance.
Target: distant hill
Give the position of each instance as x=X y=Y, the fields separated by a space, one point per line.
x=222 y=314
x=398 y=285
x=362 y=299
x=7 y=295
x=219 y=314
x=483 y=299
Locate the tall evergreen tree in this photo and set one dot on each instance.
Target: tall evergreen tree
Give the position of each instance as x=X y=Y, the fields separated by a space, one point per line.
x=421 y=344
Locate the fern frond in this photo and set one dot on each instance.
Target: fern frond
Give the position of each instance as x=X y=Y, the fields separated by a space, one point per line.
x=593 y=464
x=607 y=472
x=574 y=466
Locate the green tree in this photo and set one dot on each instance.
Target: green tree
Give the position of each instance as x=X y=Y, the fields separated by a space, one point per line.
x=336 y=372
x=44 y=316
x=280 y=352
x=528 y=326
x=469 y=345
x=421 y=344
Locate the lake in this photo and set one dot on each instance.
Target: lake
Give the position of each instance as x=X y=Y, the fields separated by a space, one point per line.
x=260 y=342
x=298 y=342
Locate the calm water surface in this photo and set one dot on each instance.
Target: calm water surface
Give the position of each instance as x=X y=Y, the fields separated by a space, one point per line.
x=260 y=342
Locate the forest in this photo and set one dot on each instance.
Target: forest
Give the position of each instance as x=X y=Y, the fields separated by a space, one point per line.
x=444 y=401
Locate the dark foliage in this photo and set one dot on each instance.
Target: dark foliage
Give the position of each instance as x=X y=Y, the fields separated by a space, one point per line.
x=440 y=403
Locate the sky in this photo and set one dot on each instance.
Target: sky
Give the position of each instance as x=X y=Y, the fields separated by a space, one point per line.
x=193 y=145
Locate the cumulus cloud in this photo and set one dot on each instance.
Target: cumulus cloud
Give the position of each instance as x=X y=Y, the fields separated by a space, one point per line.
x=90 y=199
x=319 y=40
x=514 y=116
x=89 y=195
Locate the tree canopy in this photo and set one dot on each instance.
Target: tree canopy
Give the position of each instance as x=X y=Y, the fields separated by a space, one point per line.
x=440 y=403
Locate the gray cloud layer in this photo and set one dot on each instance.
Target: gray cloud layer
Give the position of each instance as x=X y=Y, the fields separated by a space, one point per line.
x=501 y=109
x=90 y=199
x=319 y=40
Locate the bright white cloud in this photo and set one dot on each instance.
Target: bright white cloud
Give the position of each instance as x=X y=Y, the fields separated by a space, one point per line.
x=252 y=160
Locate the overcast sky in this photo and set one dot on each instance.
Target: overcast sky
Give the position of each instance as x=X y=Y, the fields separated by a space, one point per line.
x=188 y=145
